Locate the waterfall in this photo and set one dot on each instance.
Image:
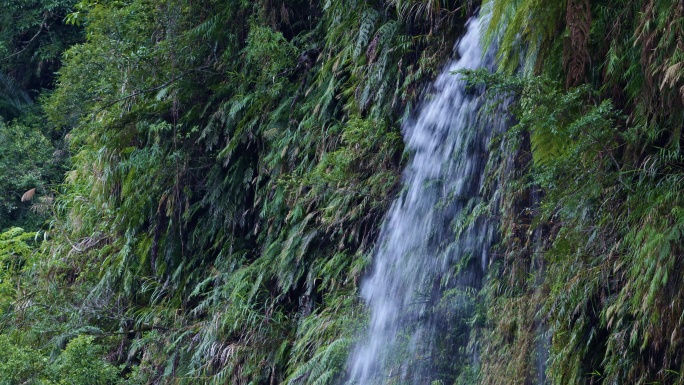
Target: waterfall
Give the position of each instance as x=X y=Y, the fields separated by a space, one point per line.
x=419 y=290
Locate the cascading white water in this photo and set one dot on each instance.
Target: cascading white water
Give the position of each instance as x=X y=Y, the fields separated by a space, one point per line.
x=417 y=246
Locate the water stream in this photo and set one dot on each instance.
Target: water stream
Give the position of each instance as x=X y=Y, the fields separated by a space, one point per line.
x=419 y=290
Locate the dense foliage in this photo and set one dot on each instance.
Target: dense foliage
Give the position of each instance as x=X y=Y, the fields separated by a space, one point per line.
x=32 y=38
x=588 y=283
x=203 y=184
x=229 y=166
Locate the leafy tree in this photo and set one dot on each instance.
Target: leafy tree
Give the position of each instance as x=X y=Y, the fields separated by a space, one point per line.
x=81 y=363
x=20 y=365
x=28 y=165
x=33 y=35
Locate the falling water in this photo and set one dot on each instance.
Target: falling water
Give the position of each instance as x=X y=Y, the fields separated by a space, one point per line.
x=421 y=264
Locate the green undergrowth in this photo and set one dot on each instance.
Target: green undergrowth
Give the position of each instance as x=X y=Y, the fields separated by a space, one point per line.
x=585 y=288
x=230 y=163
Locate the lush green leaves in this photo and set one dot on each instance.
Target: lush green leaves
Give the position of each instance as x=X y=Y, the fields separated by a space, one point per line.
x=230 y=168
x=27 y=161
x=589 y=218
x=232 y=161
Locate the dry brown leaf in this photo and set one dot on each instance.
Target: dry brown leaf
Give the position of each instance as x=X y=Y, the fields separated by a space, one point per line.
x=28 y=195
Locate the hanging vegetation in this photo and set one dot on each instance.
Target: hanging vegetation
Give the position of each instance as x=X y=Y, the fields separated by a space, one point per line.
x=192 y=190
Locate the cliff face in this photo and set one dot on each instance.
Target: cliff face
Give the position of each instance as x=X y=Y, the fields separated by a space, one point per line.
x=229 y=164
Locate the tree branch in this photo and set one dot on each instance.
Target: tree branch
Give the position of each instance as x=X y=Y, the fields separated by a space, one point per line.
x=28 y=44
